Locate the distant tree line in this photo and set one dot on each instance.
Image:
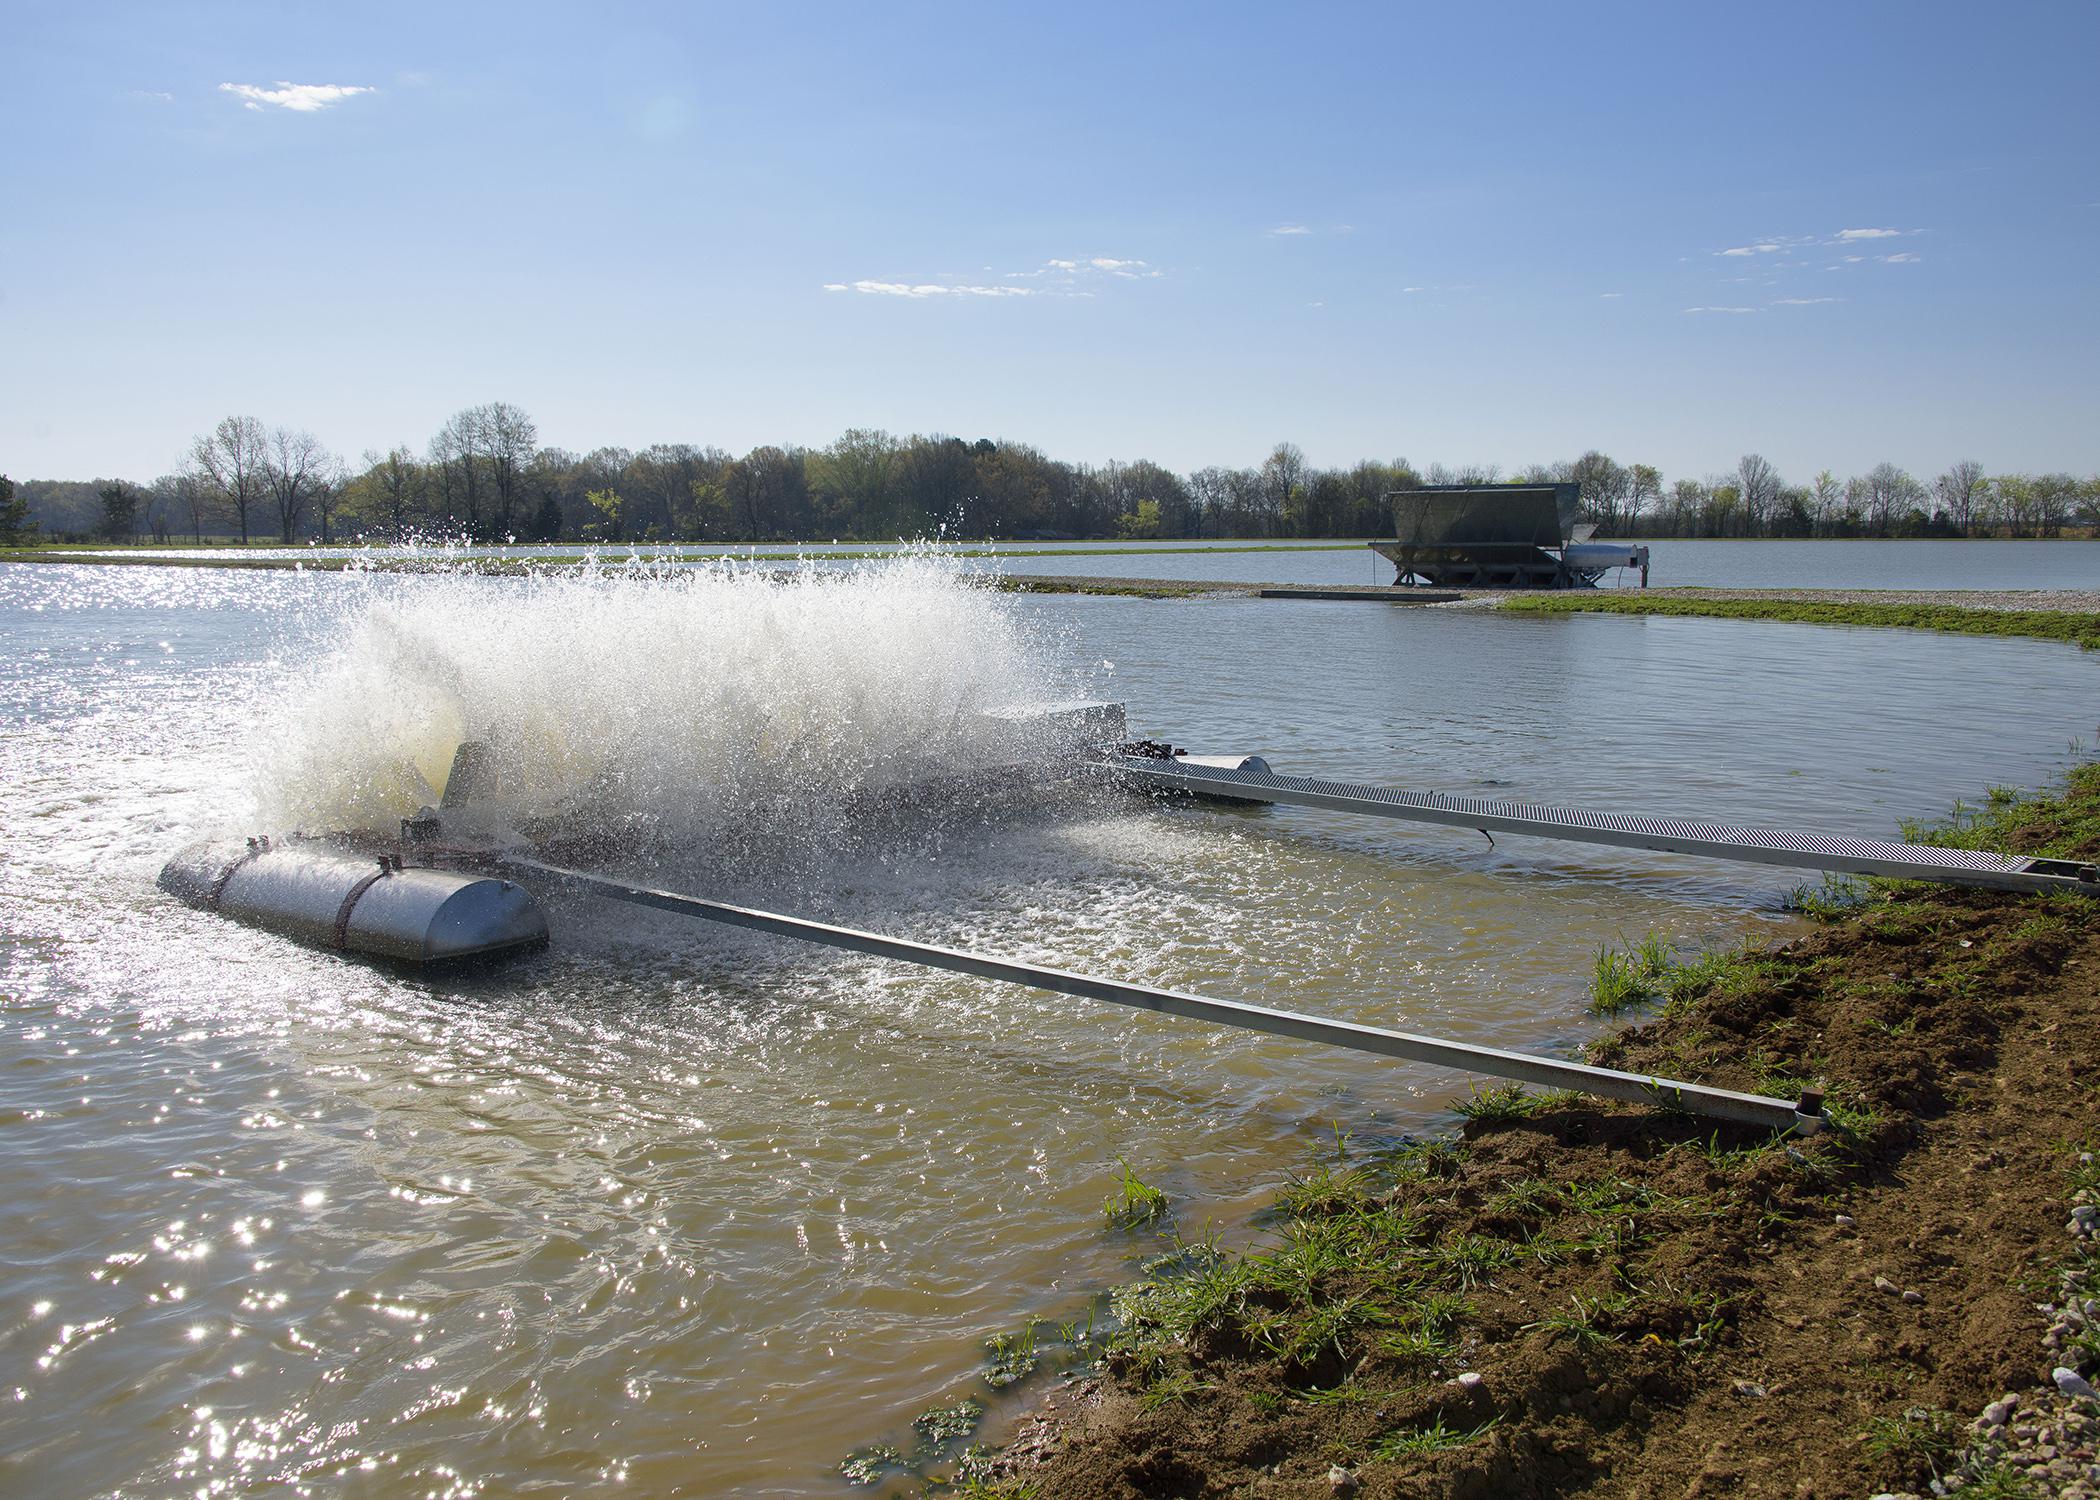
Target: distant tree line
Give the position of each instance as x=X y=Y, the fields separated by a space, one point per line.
x=485 y=477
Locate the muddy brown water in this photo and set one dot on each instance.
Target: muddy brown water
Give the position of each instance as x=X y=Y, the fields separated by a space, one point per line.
x=704 y=1215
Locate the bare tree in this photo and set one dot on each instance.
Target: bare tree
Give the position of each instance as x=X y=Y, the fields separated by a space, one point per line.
x=1758 y=484
x=328 y=493
x=185 y=494
x=456 y=457
x=1824 y=498
x=481 y=455
x=1957 y=491
x=2054 y=497
x=1211 y=489
x=2009 y=502
x=1687 y=507
x=1644 y=488
x=296 y=468
x=510 y=439
x=1885 y=493
x=1282 y=481
x=231 y=459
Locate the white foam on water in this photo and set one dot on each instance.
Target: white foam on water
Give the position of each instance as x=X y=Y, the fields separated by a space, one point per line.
x=720 y=701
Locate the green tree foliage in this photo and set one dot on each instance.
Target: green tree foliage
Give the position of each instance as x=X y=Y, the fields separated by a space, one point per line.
x=1142 y=522
x=120 y=511
x=16 y=528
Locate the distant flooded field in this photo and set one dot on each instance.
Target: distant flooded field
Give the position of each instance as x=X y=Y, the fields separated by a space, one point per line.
x=1714 y=564
x=701 y=1213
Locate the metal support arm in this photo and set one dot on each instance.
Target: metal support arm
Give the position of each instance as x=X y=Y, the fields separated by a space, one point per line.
x=1723 y=1104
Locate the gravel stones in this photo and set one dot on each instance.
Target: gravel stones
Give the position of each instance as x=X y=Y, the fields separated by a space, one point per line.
x=2048 y=1438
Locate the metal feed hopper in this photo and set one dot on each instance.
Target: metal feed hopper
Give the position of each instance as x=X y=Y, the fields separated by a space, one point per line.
x=1499 y=536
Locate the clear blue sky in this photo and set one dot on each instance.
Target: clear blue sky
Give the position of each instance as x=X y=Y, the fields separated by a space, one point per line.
x=1457 y=233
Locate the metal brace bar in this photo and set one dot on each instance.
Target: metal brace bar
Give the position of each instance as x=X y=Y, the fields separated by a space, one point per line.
x=1724 y=1104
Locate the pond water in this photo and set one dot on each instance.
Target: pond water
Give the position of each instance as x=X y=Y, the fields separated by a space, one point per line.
x=704 y=1214
x=1712 y=564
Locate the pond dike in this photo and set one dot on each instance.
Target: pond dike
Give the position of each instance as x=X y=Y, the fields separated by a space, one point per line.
x=1568 y=1297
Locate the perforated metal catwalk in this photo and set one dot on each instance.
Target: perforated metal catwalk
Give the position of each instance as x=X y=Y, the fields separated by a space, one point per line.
x=1769 y=846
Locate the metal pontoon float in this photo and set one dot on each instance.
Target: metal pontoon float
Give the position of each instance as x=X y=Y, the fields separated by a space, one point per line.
x=439 y=893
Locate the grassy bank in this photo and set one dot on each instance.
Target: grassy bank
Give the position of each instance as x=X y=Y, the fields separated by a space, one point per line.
x=1569 y=1297
x=2048 y=625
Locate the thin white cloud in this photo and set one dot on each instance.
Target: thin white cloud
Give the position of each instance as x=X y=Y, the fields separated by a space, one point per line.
x=1802 y=301
x=1868 y=234
x=300 y=98
x=1904 y=259
x=926 y=289
x=1762 y=247
x=1053 y=278
x=1414 y=289
x=151 y=96
x=1129 y=270
x=1290 y=229
x=1720 y=309
x=1609 y=296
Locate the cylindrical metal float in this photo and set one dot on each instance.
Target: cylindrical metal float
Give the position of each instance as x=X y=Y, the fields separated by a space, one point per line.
x=320 y=894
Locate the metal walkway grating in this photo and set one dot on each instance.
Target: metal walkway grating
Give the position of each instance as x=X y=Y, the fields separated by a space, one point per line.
x=1672 y=835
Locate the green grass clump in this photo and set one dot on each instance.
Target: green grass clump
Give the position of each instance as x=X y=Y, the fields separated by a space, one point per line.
x=1437 y=1437
x=1135 y=1202
x=1630 y=976
x=1920 y=1436
x=2066 y=827
x=1831 y=899
x=1708 y=974
x=1503 y=1105
x=2002 y=1482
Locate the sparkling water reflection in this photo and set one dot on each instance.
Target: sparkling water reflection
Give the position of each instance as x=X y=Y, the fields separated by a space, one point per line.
x=702 y=1213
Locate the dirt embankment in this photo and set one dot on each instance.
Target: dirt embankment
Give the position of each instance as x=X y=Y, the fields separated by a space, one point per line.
x=1580 y=1299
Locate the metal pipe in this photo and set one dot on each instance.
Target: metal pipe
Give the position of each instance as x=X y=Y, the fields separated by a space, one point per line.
x=1696 y=1098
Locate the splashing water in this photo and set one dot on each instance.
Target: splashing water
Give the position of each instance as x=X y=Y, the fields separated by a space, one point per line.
x=720 y=702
